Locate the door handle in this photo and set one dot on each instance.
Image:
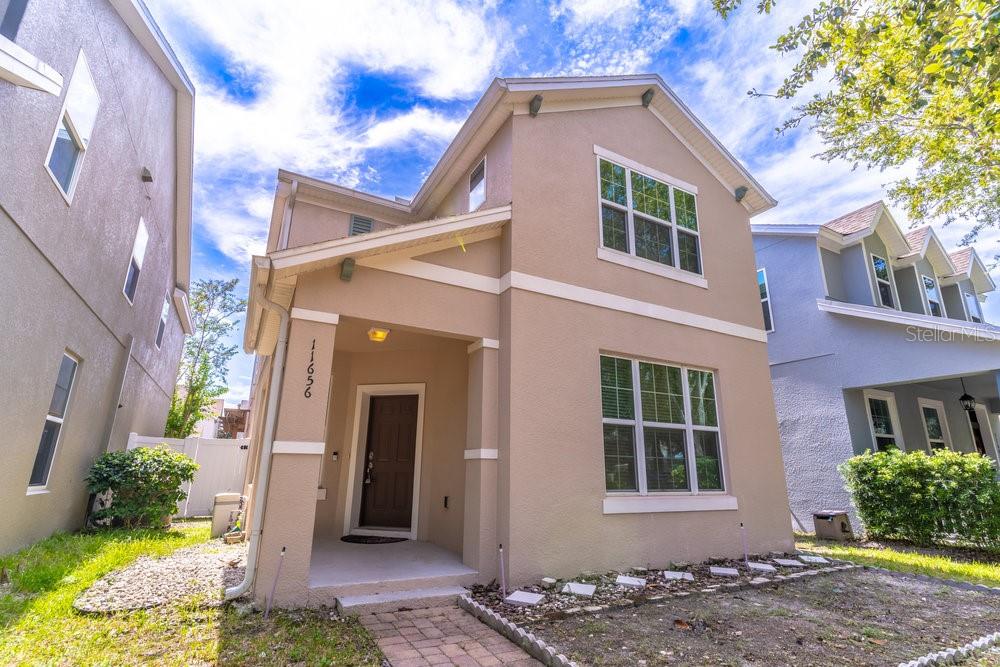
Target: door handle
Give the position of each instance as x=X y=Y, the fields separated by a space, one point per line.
x=368 y=472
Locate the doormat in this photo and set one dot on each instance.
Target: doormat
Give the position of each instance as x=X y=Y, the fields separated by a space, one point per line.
x=371 y=539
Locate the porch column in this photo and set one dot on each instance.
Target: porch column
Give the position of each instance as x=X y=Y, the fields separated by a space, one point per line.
x=299 y=443
x=479 y=548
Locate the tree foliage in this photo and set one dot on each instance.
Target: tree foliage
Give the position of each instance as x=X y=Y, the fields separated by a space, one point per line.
x=144 y=484
x=913 y=82
x=201 y=377
x=926 y=499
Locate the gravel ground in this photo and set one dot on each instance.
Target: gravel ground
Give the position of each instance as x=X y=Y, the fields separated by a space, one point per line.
x=845 y=618
x=198 y=571
x=557 y=604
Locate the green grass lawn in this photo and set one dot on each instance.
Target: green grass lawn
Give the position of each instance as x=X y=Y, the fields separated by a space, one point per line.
x=947 y=563
x=38 y=624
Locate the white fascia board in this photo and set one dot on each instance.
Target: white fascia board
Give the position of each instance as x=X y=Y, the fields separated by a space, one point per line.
x=23 y=69
x=778 y=229
x=979 y=332
x=183 y=311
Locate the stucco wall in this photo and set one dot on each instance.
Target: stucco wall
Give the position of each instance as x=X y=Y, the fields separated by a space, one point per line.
x=855 y=267
x=834 y=274
x=498 y=177
x=909 y=287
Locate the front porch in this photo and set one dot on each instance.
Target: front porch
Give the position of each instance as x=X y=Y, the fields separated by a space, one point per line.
x=408 y=428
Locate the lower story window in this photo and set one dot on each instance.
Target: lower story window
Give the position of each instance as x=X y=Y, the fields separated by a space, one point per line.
x=661 y=428
x=53 y=423
x=884 y=420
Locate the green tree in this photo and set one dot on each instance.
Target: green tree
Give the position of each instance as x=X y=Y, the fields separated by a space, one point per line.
x=201 y=377
x=913 y=82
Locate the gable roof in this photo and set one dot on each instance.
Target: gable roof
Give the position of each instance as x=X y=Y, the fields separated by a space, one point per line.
x=962 y=258
x=917 y=238
x=856 y=221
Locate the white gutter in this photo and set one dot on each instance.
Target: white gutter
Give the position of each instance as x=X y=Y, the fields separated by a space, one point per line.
x=260 y=485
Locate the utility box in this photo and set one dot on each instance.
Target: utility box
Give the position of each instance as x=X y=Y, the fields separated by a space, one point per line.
x=226 y=508
x=833 y=525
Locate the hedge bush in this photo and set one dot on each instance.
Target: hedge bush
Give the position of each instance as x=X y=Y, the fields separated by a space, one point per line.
x=926 y=498
x=145 y=484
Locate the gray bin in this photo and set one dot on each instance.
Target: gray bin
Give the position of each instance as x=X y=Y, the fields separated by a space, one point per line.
x=223 y=510
x=833 y=525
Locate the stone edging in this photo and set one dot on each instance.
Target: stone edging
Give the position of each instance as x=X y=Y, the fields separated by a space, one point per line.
x=954 y=655
x=534 y=646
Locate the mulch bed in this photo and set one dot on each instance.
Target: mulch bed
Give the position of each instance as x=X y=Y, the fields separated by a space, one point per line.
x=859 y=617
x=609 y=594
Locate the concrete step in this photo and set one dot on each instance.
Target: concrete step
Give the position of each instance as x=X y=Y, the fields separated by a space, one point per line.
x=395 y=600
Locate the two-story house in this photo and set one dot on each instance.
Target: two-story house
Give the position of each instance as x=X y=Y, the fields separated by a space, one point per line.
x=96 y=121
x=876 y=341
x=555 y=348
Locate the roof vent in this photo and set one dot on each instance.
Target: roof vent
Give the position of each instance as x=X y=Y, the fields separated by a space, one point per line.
x=740 y=193
x=147 y=175
x=647 y=97
x=534 y=105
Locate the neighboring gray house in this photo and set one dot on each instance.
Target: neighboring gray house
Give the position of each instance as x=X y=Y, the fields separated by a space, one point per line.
x=96 y=121
x=874 y=335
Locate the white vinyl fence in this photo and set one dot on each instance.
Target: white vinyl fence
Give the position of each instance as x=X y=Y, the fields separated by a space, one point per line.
x=223 y=463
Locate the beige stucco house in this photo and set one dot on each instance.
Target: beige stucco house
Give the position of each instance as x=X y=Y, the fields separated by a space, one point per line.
x=96 y=122
x=556 y=346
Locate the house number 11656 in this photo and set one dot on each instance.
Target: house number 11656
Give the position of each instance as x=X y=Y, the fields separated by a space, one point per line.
x=310 y=369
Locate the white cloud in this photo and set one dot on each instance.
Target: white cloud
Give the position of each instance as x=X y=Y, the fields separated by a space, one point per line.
x=583 y=13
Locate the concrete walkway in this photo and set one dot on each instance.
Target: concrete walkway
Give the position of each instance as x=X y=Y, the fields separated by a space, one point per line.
x=442 y=636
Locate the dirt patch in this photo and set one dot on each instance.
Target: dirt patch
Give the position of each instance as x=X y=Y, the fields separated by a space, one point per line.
x=845 y=618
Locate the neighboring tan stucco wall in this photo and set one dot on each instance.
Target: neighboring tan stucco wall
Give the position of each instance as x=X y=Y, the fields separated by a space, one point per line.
x=64 y=265
x=498 y=177
x=311 y=224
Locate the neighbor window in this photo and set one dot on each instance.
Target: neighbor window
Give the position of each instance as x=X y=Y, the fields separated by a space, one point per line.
x=765 y=300
x=360 y=225
x=135 y=263
x=477 y=186
x=53 y=423
x=665 y=437
x=648 y=218
x=933 y=296
x=74 y=129
x=884 y=421
x=883 y=281
x=972 y=305
x=161 y=327
x=935 y=424
x=11 y=13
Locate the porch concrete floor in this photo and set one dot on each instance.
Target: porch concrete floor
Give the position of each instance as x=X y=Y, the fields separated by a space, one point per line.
x=337 y=563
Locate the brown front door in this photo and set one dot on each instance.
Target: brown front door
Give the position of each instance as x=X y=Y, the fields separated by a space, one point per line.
x=387 y=489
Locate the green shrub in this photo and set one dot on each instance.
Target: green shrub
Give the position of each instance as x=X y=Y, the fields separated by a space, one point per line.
x=145 y=484
x=926 y=499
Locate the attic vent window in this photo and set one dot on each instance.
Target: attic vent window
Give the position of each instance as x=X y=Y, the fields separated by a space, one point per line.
x=477 y=186
x=360 y=225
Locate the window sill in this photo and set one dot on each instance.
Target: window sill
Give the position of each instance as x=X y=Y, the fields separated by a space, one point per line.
x=36 y=491
x=640 y=264
x=23 y=69
x=635 y=504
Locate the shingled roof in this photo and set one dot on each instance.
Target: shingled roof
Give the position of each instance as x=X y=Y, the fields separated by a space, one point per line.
x=961 y=259
x=917 y=237
x=855 y=221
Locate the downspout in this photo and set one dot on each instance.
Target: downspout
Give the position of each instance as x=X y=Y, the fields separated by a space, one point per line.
x=264 y=467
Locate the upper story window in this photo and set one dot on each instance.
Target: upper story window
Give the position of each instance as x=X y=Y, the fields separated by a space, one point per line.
x=477 y=186
x=933 y=296
x=161 y=327
x=74 y=129
x=663 y=437
x=360 y=225
x=765 y=300
x=11 y=13
x=648 y=218
x=883 y=281
x=972 y=305
x=135 y=263
x=53 y=423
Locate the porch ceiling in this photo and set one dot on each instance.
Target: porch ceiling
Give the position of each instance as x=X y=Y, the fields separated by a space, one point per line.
x=352 y=336
x=983 y=386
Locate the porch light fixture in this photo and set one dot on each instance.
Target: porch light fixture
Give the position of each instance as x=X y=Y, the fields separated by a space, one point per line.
x=968 y=402
x=378 y=334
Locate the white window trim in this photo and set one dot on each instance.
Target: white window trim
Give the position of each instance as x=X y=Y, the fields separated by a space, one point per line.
x=985 y=428
x=23 y=69
x=965 y=305
x=890 y=399
x=612 y=254
x=78 y=167
x=164 y=319
x=927 y=296
x=34 y=489
x=689 y=427
x=469 y=183
x=875 y=281
x=139 y=261
x=942 y=417
x=767 y=288
x=649 y=266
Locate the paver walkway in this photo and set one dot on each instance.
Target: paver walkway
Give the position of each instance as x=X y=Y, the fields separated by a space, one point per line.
x=442 y=636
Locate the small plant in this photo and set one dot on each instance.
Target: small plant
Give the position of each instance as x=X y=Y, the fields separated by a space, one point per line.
x=926 y=498
x=144 y=484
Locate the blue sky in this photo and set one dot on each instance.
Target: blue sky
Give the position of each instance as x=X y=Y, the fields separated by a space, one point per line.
x=368 y=95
